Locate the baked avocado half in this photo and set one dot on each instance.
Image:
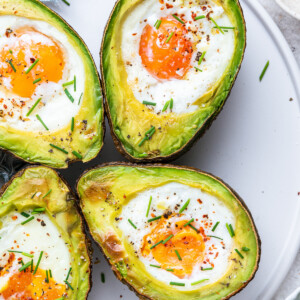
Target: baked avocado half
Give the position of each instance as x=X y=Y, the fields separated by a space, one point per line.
x=51 y=109
x=44 y=252
x=170 y=232
x=167 y=69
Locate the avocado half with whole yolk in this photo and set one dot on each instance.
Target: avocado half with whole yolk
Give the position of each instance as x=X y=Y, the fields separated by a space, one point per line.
x=44 y=253
x=51 y=109
x=167 y=69
x=170 y=232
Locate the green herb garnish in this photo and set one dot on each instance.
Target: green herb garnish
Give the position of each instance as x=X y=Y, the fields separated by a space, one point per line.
x=24 y=267
x=131 y=223
x=45 y=197
x=245 y=249
x=177 y=283
x=178 y=19
x=69 y=95
x=167 y=239
x=37 y=80
x=66 y=2
x=50 y=273
x=24 y=214
x=38 y=262
x=239 y=253
x=200 y=17
x=157 y=24
x=178 y=255
x=194 y=228
x=207 y=269
x=225 y=27
x=102 y=277
x=215 y=227
x=12 y=66
x=198 y=69
x=155 y=266
x=198 y=282
x=189 y=222
x=69 y=285
x=80 y=98
x=77 y=154
x=184 y=206
x=42 y=122
x=149 y=205
x=154 y=219
x=201 y=58
x=156 y=244
x=170 y=36
x=171 y=103
x=28 y=220
x=33 y=107
x=75 y=83
x=216 y=237
x=149 y=103
x=170 y=270
x=47 y=276
x=230 y=230
x=264 y=71
x=217 y=25
x=68 y=83
x=72 y=124
x=32 y=66
x=68 y=275
x=60 y=149
x=148 y=135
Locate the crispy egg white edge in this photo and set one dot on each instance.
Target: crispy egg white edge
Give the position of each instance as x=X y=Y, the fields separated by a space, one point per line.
x=56 y=252
x=58 y=110
x=183 y=92
x=164 y=199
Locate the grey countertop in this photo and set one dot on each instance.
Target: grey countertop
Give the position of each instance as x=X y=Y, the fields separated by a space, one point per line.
x=290 y=28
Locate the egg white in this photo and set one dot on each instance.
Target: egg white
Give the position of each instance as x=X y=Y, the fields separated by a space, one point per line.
x=185 y=92
x=57 y=110
x=32 y=236
x=164 y=199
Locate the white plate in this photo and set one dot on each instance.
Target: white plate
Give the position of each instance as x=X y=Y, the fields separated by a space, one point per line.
x=290 y=6
x=254 y=145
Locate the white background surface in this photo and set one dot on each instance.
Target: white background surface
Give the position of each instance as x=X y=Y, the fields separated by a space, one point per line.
x=254 y=146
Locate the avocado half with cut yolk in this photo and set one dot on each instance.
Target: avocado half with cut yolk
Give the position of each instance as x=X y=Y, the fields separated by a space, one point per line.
x=170 y=232
x=167 y=69
x=51 y=109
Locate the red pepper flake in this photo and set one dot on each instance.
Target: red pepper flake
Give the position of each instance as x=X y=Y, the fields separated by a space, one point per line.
x=134 y=34
x=14 y=217
x=152 y=215
x=205 y=216
x=124 y=196
x=199 y=200
x=168 y=6
x=217 y=254
x=298 y=193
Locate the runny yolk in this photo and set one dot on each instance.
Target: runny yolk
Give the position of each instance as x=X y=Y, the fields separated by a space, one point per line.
x=189 y=244
x=25 y=285
x=24 y=46
x=166 y=52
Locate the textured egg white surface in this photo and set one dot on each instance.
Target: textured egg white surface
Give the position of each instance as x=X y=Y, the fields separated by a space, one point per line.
x=57 y=110
x=184 y=92
x=164 y=199
x=32 y=236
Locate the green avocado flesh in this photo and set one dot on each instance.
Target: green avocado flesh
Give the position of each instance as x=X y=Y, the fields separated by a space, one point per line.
x=80 y=138
x=35 y=195
x=106 y=192
x=132 y=121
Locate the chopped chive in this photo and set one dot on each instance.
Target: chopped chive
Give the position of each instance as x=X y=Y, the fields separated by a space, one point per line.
x=245 y=249
x=156 y=244
x=80 y=98
x=200 y=17
x=149 y=205
x=69 y=285
x=194 y=228
x=154 y=219
x=24 y=214
x=33 y=195
x=37 y=80
x=149 y=103
x=170 y=36
x=10 y=51
x=166 y=106
x=32 y=66
x=47 y=276
x=39 y=118
x=45 y=197
x=148 y=135
x=225 y=27
x=66 y=2
x=31 y=265
x=207 y=269
x=69 y=95
x=201 y=58
x=230 y=230
x=178 y=19
x=143 y=155
x=11 y=64
x=28 y=220
x=167 y=239
x=14 y=251
x=157 y=24
x=61 y=298
x=102 y=277
x=77 y=154
x=217 y=25
x=60 y=149
x=27 y=254
x=40 y=209
x=178 y=255
x=171 y=103
x=155 y=266
x=170 y=270
x=198 y=69
x=239 y=253
x=177 y=283
x=33 y=107
x=50 y=273
x=68 y=83
x=199 y=281
x=215 y=227
x=132 y=224
x=38 y=262
x=75 y=83
x=72 y=124
x=24 y=267
x=216 y=237
x=184 y=206
x=189 y=222
x=264 y=71
x=68 y=275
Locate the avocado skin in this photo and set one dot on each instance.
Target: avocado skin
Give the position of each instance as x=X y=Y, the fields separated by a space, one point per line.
x=206 y=124
x=71 y=196
x=185 y=168
x=36 y=151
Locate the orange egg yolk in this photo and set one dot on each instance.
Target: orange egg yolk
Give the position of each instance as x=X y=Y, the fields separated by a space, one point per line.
x=188 y=243
x=25 y=47
x=166 y=52
x=25 y=285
